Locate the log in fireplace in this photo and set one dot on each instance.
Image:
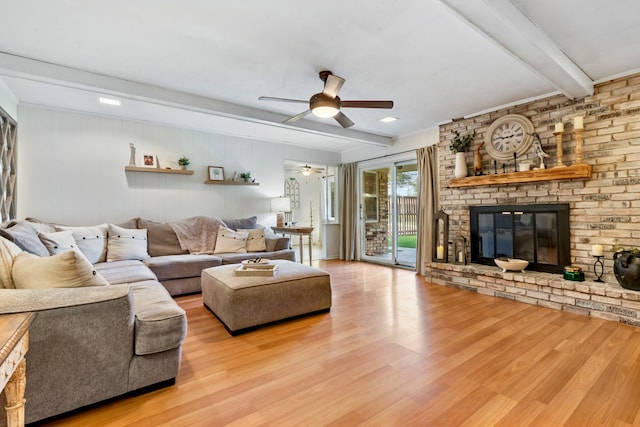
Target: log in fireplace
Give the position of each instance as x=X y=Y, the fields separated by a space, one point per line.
x=537 y=233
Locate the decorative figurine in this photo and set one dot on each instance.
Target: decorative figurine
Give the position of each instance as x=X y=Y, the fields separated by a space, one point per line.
x=537 y=150
x=132 y=155
x=477 y=161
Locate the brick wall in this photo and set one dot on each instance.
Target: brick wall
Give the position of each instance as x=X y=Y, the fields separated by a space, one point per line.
x=604 y=209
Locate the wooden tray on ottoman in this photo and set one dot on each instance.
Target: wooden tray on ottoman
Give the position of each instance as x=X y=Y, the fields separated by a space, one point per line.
x=256 y=270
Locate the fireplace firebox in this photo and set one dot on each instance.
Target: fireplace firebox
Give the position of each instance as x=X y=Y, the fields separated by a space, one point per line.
x=537 y=233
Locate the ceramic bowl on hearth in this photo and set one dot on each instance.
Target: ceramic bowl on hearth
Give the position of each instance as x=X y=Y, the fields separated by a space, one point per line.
x=511 y=264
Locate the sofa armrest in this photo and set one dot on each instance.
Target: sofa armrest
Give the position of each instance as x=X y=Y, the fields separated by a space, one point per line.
x=23 y=300
x=80 y=346
x=276 y=243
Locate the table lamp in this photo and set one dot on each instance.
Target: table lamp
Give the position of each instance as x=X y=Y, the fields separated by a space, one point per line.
x=280 y=205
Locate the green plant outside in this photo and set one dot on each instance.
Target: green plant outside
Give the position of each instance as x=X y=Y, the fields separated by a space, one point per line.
x=406 y=241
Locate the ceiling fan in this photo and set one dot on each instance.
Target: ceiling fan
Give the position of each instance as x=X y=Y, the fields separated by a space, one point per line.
x=327 y=103
x=307 y=170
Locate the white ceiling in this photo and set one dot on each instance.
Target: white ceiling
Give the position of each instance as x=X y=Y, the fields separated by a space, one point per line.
x=203 y=64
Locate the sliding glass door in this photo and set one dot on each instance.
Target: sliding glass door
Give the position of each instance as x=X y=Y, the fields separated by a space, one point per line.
x=389 y=213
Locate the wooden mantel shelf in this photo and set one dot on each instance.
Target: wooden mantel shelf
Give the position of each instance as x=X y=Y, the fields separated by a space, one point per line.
x=157 y=170
x=230 y=182
x=581 y=171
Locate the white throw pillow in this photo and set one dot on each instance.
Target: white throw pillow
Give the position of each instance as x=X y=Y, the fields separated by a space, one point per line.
x=255 y=240
x=230 y=241
x=8 y=253
x=92 y=241
x=68 y=269
x=126 y=243
x=58 y=242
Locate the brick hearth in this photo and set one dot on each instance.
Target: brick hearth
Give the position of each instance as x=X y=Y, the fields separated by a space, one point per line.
x=604 y=300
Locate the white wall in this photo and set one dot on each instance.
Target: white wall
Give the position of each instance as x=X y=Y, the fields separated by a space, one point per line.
x=8 y=101
x=71 y=170
x=404 y=143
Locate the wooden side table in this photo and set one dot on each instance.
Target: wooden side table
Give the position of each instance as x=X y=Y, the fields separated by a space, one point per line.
x=14 y=343
x=300 y=232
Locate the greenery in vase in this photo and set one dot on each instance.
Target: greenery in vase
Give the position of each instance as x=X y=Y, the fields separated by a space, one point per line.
x=184 y=161
x=245 y=175
x=460 y=144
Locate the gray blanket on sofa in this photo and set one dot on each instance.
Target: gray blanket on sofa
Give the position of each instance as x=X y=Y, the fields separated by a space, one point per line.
x=197 y=234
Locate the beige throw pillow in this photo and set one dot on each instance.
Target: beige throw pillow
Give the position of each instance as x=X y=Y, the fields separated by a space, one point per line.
x=230 y=241
x=68 y=269
x=255 y=240
x=58 y=241
x=126 y=243
x=92 y=241
x=8 y=253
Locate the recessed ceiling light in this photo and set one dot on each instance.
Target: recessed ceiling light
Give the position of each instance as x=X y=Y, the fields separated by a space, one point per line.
x=388 y=119
x=109 y=101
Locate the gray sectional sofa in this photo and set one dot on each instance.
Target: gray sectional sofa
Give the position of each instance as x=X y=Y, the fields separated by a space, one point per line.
x=92 y=343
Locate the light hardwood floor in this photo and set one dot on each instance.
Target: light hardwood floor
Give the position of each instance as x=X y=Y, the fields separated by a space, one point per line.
x=396 y=350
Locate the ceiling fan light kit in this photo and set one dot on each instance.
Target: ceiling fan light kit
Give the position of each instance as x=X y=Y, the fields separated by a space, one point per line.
x=327 y=103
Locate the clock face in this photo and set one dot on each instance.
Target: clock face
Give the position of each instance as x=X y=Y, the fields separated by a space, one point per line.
x=507 y=135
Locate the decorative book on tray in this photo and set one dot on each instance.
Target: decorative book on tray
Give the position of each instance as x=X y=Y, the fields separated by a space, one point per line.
x=256 y=267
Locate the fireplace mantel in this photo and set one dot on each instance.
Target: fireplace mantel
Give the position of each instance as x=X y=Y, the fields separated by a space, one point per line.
x=581 y=171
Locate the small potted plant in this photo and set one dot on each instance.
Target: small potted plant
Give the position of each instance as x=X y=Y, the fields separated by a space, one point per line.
x=246 y=176
x=459 y=145
x=183 y=162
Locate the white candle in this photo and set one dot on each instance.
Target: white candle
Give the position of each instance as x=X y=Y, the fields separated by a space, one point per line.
x=578 y=122
x=460 y=256
x=597 y=250
x=440 y=252
x=559 y=127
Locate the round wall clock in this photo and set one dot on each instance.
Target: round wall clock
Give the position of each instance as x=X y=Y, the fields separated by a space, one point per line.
x=507 y=135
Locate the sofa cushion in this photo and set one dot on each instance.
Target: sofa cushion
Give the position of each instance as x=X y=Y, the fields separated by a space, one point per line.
x=92 y=241
x=160 y=323
x=180 y=266
x=25 y=236
x=58 y=242
x=243 y=223
x=255 y=239
x=127 y=271
x=68 y=269
x=8 y=252
x=161 y=239
x=229 y=241
x=126 y=243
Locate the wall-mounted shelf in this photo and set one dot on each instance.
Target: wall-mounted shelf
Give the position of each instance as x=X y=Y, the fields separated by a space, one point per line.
x=581 y=171
x=157 y=170
x=230 y=182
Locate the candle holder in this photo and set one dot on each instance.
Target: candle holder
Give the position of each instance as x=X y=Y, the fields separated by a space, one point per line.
x=559 y=153
x=579 y=146
x=598 y=262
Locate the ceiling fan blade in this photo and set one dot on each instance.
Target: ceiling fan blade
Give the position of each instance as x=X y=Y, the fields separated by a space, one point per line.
x=366 y=104
x=297 y=117
x=270 y=98
x=332 y=85
x=344 y=121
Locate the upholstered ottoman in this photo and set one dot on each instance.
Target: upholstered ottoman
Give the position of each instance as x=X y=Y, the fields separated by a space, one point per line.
x=243 y=302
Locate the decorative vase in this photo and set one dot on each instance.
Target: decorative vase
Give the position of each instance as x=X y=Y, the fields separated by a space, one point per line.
x=183 y=167
x=626 y=267
x=460 y=170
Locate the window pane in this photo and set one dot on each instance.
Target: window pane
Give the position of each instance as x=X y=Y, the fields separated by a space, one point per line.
x=485 y=232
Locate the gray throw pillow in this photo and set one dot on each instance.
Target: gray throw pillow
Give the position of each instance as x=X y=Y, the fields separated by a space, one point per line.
x=25 y=236
x=244 y=223
x=161 y=239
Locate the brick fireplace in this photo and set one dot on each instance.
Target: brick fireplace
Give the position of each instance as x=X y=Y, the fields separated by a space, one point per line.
x=603 y=209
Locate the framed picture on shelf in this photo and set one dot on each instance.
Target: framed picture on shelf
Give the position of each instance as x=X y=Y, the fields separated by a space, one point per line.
x=216 y=173
x=147 y=160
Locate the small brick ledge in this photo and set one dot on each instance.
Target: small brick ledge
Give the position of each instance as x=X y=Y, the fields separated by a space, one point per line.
x=607 y=301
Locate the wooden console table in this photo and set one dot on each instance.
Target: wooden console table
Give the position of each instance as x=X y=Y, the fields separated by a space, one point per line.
x=14 y=343
x=298 y=231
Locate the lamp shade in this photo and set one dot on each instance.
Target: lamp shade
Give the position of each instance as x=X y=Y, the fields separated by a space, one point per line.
x=280 y=204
